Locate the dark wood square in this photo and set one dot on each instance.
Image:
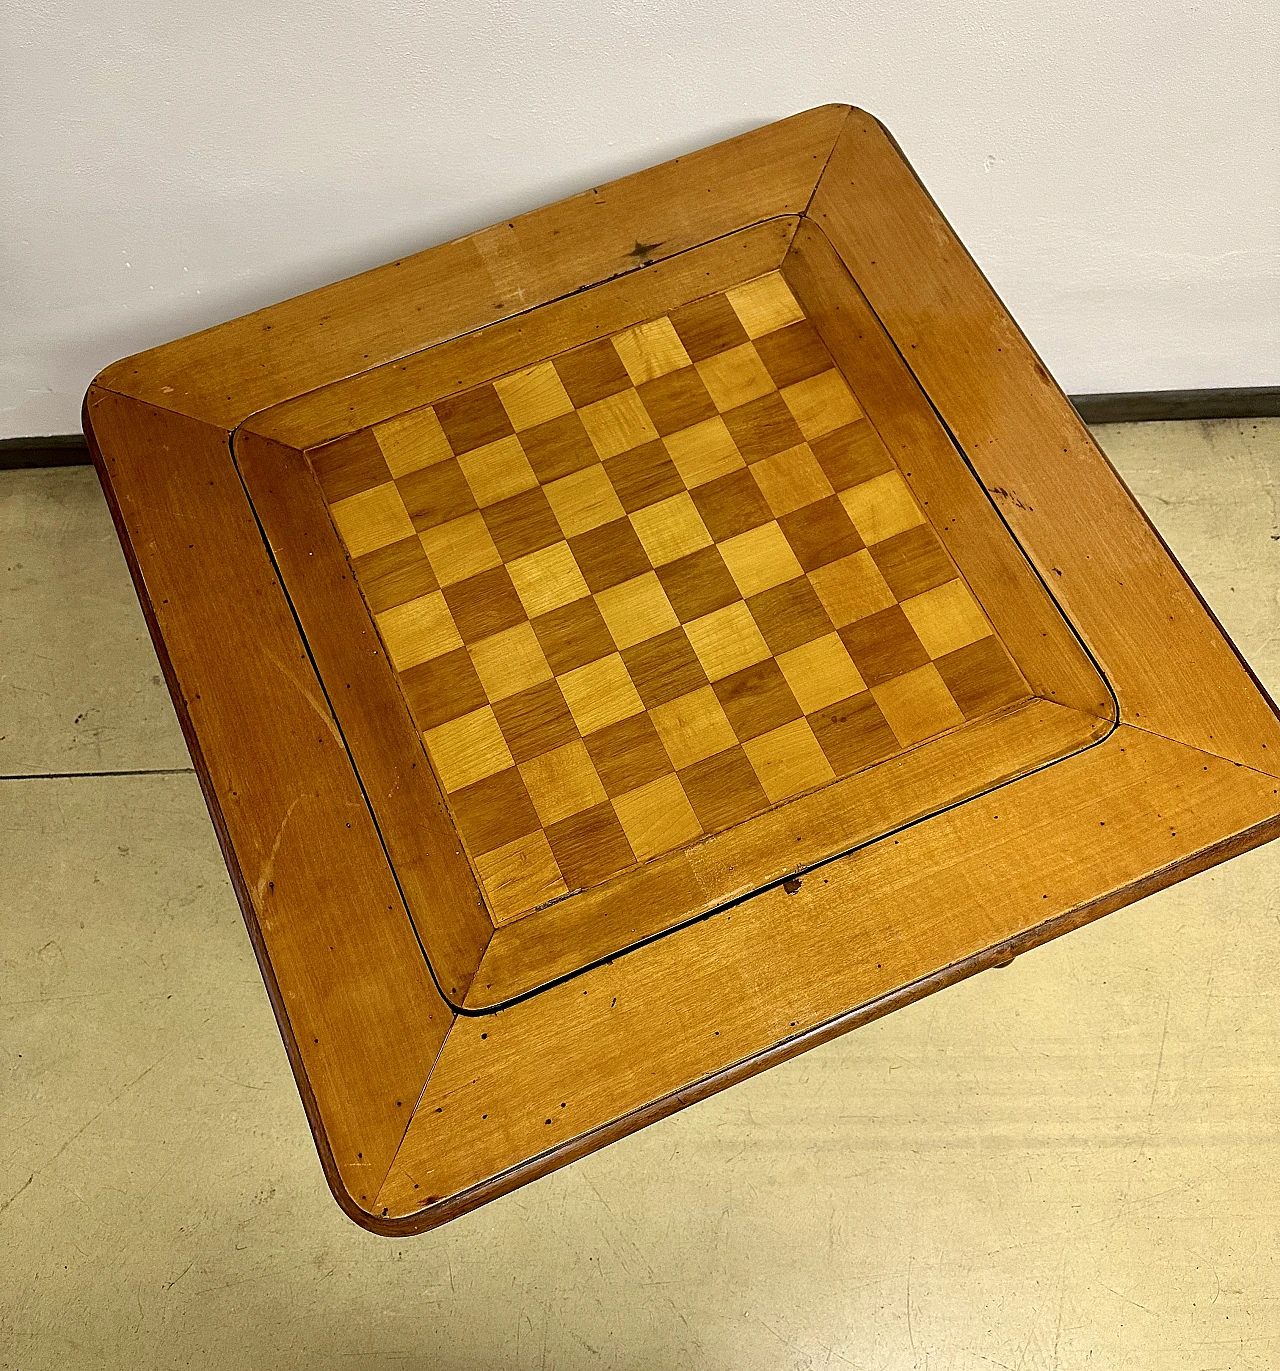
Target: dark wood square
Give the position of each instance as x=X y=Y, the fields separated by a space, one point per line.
x=535 y=721
x=395 y=574
x=484 y=604
x=762 y=427
x=913 y=561
x=852 y=454
x=853 y=733
x=789 y=615
x=643 y=476
x=756 y=700
x=436 y=494
x=609 y=555
x=558 y=448
x=573 y=635
x=820 y=533
x=883 y=646
x=731 y=504
x=349 y=466
x=793 y=353
x=522 y=524
x=628 y=754
x=472 y=419
x=707 y=327
x=698 y=584
x=591 y=373
x=442 y=689
x=590 y=846
x=981 y=677
x=677 y=400
x=664 y=668
x=723 y=790
x=494 y=812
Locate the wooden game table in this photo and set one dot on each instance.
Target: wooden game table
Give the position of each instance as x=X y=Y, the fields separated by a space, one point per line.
x=639 y=641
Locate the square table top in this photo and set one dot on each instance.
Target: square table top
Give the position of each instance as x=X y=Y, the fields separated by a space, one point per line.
x=643 y=639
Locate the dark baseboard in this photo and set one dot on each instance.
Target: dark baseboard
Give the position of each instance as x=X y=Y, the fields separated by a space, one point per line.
x=1119 y=407
x=1148 y=406
x=61 y=450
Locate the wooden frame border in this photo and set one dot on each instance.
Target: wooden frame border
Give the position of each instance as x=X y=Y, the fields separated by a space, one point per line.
x=394 y=1083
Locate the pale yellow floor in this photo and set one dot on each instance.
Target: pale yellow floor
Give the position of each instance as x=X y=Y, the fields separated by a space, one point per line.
x=1074 y=1162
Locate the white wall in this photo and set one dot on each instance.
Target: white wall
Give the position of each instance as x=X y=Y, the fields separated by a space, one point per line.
x=1113 y=167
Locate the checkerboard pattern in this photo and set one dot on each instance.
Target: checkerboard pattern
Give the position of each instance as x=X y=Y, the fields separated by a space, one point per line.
x=647 y=589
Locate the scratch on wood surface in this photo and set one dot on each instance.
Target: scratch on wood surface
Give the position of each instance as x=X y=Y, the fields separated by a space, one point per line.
x=264 y=877
x=507 y=269
x=315 y=704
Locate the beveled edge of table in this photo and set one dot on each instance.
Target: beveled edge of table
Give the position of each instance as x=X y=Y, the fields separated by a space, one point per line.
x=1190 y=771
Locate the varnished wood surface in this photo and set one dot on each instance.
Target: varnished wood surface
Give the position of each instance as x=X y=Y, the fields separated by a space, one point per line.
x=1020 y=604
x=355 y=1002
x=556 y=784
x=498 y=1097
x=573 y=932
x=225 y=374
x=1173 y=669
x=605 y=1052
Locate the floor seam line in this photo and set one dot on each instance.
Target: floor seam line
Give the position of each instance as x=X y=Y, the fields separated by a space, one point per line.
x=91 y=775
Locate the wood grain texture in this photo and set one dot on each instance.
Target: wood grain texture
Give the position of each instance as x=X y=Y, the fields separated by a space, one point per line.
x=1173 y=669
x=419 y=837
x=433 y=372
x=509 y=751
x=422 y=364
x=224 y=375
x=600 y=1054
x=356 y=1005
x=1029 y=623
x=982 y=755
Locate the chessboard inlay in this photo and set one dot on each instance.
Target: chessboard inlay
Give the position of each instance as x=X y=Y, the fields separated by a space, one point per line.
x=647 y=589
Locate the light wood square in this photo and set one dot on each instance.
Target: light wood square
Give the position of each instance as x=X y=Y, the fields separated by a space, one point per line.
x=670 y=529
x=946 y=618
x=373 y=519
x=727 y=640
x=584 y=500
x=521 y=875
x=418 y=631
x=468 y=749
x=764 y=304
x=600 y=694
x=657 y=818
x=881 y=507
x=617 y=424
x=917 y=705
x=509 y=662
x=851 y=588
x=792 y=479
x=547 y=579
x=760 y=559
x=533 y=396
x=788 y=760
x=692 y=727
x=562 y=782
x=735 y=376
x=636 y=610
x=459 y=549
x=821 y=404
x=497 y=471
x=820 y=673
x=650 y=350
x=412 y=441
x=703 y=452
